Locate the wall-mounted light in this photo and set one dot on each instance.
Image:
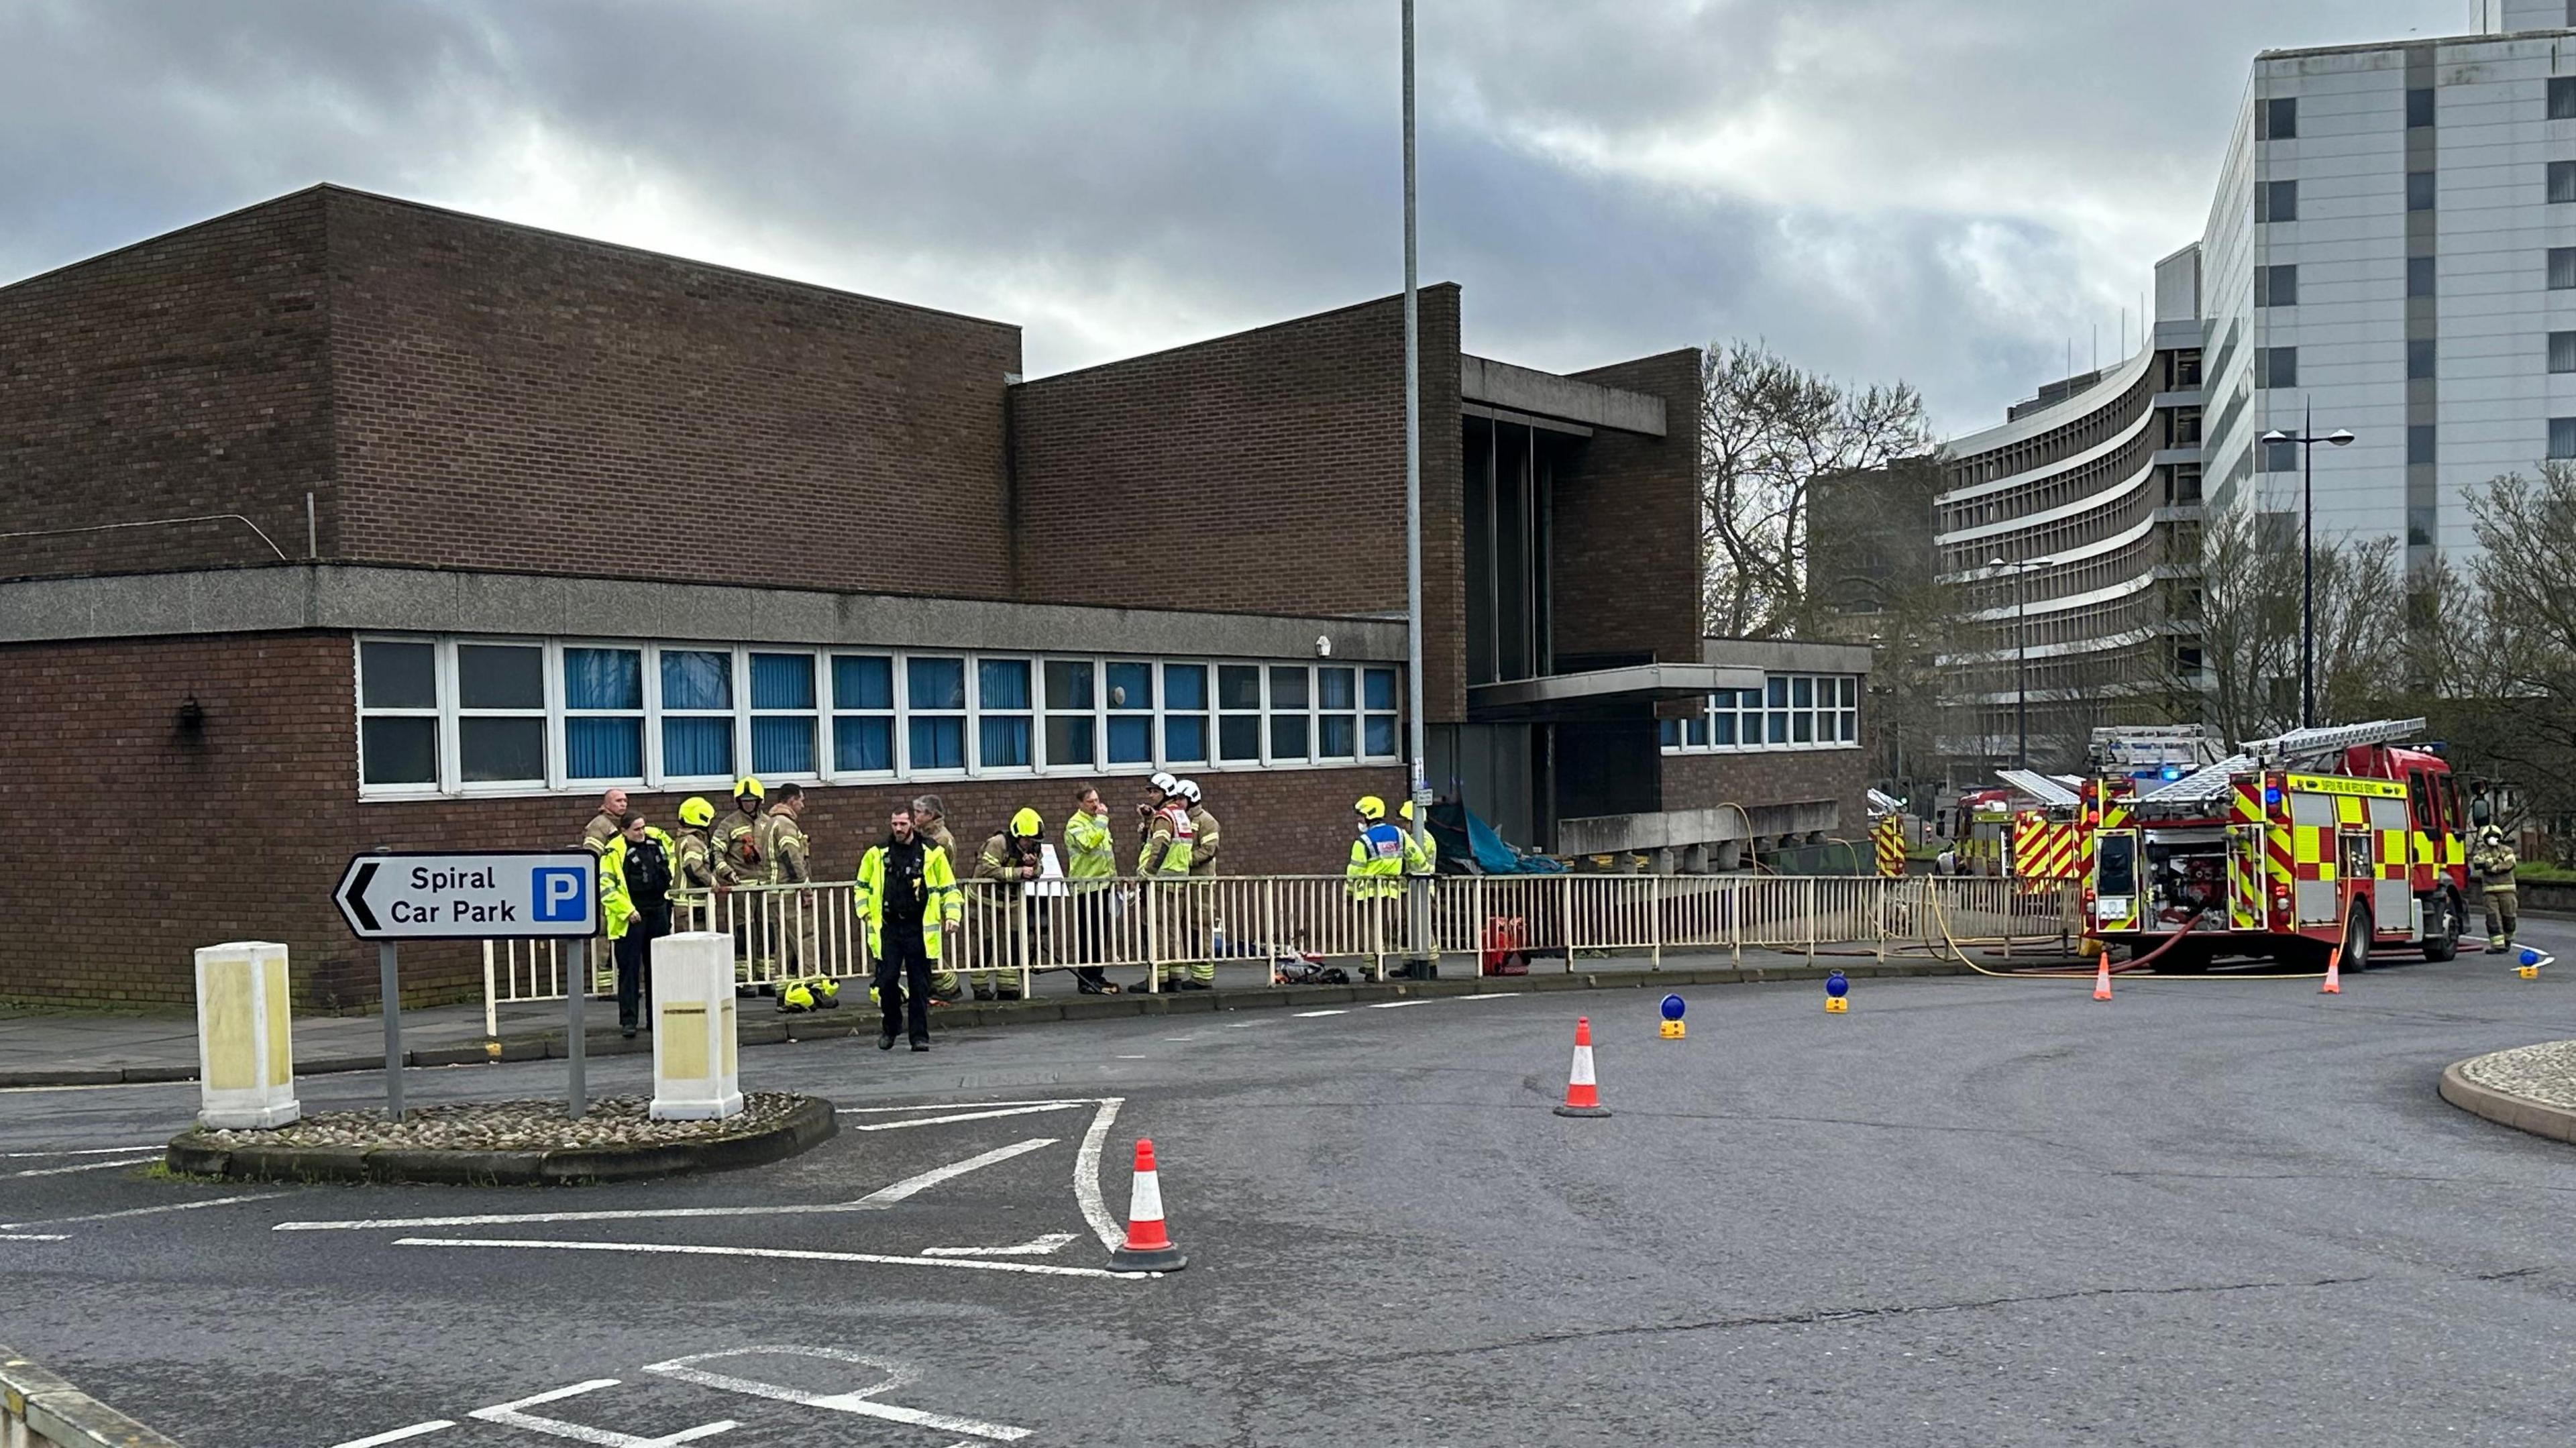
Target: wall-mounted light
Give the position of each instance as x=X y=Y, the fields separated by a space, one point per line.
x=192 y=716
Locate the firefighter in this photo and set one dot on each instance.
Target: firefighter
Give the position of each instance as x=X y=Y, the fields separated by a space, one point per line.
x=1422 y=857
x=1165 y=860
x=907 y=900
x=1206 y=838
x=790 y=914
x=1091 y=861
x=605 y=825
x=930 y=821
x=693 y=866
x=1010 y=860
x=1159 y=788
x=737 y=840
x=2495 y=862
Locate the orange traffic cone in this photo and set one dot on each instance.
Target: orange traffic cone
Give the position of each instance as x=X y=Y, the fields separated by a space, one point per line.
x=1148 y=1247
x=2334 y=974
x=2102 y=979
x=1582 y=1094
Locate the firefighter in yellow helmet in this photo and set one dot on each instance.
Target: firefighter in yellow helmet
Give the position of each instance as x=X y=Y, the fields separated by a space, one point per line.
x=733 y=846
x=1010 y=861
x=693 y=865
x=1422 y=857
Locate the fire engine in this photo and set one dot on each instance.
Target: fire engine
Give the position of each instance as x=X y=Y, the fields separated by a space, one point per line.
x=2319 y=838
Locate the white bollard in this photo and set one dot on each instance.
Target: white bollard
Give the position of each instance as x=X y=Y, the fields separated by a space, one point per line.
x=245 y=1038
x=694 y=1077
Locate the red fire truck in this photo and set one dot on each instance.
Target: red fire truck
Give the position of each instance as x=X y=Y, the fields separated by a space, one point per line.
x=2320 y=838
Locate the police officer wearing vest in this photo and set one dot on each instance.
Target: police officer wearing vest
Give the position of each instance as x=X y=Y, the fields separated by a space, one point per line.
x=907 y=902
x=1375 y=874
x=1091 y=863
x=635 y=899
x=1011 y=860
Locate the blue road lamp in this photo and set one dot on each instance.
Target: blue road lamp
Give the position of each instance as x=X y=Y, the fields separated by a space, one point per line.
x=1672 y=1027
x=1837 y=991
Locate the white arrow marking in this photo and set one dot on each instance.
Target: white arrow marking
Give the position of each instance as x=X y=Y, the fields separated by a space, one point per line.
x=1086 y=1177
x=509 y=1416
x=1045 y=1246
x=686 y=1370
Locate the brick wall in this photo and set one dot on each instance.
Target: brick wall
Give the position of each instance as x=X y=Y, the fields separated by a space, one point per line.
x=1705 y=781
x=132 y=843
x=1627 y=526
x=517 y=400
x=182 y=376
x=1257 y=473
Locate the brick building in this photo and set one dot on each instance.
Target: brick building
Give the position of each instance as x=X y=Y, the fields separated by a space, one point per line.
x=341 y=522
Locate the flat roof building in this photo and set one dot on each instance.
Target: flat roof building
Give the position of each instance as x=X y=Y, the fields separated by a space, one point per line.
x=341 y=521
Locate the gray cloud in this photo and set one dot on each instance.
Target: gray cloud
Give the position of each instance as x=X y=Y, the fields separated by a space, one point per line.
x=1940 y=190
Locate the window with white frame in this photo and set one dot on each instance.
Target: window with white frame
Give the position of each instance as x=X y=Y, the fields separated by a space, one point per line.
x=1789 y=711
x=784 y=713
x=1185 y=719
x=466 y=716
x=862 y=714
x=935 y=722
x=1003 y=735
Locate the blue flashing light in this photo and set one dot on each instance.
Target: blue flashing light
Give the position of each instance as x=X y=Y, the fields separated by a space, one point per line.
x=1836 y=985
x=2171 y=771
x=1672 y=1008
x=2271 y=794
x=2530 y=956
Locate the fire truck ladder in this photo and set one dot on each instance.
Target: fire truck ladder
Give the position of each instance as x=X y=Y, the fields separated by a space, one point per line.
x=2050 y=793
x=2281 y=751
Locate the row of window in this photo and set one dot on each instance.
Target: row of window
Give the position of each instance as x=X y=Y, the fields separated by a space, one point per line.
x=2279 y=119
x=2279 y=200
x=1789 y=711
x=450 y=716
x=2278 y=285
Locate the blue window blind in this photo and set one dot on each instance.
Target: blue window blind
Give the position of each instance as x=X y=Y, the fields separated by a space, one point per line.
x=938 y=742
x=696 y=679
x=603 y=748
x=935 y=683
x=782 y=745
x=861 y=682
x=1003 y=741
x=861 y=742
x=1381 y=688
x=1002 y=684
x=1131 y=686
x=1185 y=687
x=1381 y=734
x=782 y=681
x=603 y=679
x=1131 y=741
x=1185 y=738
x=697 y=746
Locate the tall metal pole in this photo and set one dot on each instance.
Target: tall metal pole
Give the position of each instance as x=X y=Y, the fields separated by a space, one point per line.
x=2308 y=570
x=1421 y=899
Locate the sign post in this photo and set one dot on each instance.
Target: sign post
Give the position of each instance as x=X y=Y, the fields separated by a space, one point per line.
x=389 y=896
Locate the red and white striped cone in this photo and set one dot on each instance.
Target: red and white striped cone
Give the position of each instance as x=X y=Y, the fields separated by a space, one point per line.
x=1582 y=1093
x=1148 y=1247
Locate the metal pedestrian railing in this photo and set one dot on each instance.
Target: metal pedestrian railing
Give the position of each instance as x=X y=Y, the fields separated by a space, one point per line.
x=1009 y=934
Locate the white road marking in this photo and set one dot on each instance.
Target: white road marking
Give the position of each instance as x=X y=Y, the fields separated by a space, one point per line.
x=970 y=1116
x=1394 y=1005
x=963 y=1105
x=1180 y=1038
x=33 y=1237
x=686 y=1370
x=913 y=1185
x=1135 y=1058
x=1034 y=1247
x=81 y=1151
x=1247 y=1025
x=873 y=1202
x=399 y=1434
x=1086 y=1177
x=681 y=1249
x=1491 y=995
x=147 y=1211
x=509 y=1415
x=45 y=1171
x=1310 y=1015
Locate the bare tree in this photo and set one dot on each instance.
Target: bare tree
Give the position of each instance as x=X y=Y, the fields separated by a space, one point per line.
x=1769 y=431
x=2513 y=647
x=2251 y=596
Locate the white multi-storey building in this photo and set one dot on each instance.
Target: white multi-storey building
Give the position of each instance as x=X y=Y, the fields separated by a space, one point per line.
x=2391 y=250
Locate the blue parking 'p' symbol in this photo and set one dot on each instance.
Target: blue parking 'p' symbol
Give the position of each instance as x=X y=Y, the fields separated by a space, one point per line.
x=559 y=895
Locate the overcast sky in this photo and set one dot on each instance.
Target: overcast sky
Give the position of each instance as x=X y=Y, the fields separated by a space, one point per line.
x=1942 y=191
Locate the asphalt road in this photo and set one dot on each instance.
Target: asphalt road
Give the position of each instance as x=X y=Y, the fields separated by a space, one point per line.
x=1971 y=1211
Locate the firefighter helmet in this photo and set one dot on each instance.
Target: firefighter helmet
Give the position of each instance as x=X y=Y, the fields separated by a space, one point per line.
x=1188 y=789
x=696 y=811
x=1371 y=807
x=1026 y=824
x=1164 y=782
x=747 y=785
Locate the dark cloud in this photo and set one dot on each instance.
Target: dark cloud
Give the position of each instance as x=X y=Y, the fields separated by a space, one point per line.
x=1940 y=190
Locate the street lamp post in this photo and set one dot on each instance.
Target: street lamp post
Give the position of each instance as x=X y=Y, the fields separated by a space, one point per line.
x=2021 y=646
x=2307 y=440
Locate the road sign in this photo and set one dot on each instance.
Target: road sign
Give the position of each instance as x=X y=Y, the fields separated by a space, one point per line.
x=390 y=895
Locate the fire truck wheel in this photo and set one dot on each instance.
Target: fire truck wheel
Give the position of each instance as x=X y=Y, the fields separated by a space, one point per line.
x=2442 y=916
x=2356 y=940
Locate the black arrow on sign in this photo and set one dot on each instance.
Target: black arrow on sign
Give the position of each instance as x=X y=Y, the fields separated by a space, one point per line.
x=354 y=898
